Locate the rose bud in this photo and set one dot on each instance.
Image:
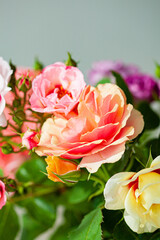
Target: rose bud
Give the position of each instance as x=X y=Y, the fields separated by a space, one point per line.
x=30 y=139
x=7 y=148
x=60 y=170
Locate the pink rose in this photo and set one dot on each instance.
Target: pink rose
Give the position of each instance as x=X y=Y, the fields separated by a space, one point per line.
x=2 y=194
x=57 y=89
x=98 y=133
x=30 y=139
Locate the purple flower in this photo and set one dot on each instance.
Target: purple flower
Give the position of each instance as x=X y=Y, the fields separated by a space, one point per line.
x=142 y=86
x=103 y=69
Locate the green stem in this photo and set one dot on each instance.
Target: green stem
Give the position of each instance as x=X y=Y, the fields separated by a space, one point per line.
x=35 y=194
x=129 y=165
x=24 y=99
x=17 y=129
x=27 y=120
x=11 y=136
x=96 y=179
x=105 y=172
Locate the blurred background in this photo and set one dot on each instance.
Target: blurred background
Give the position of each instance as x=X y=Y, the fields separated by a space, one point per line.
x=91 y=30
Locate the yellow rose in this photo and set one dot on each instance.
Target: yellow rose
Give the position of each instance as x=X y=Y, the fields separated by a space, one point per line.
x=139 y=194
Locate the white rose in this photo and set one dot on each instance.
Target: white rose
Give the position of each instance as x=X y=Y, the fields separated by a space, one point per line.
x=139 y=194
x=5 y=74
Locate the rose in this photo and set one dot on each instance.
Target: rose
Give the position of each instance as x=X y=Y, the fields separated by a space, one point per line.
x=5 y=73
x=98 y=133
x=139 y=194
x=60 y=167
x=30 y=139
x=57 y=89
x=2 y=194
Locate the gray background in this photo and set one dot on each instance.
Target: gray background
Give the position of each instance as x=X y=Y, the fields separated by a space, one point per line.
x=90 y=29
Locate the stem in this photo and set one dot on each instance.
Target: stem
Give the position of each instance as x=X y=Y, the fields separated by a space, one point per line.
x=19 y=151
x=105 y=172
x=36 y=194
x=24 y=99
x=27 y=120
x=129 y=165
x=11 y=136
x=96 y=179
x=17 y=129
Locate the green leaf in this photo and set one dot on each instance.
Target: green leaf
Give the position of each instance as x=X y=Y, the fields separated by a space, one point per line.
x=150 y=159
x=151 y=119
x=31 y=170
x=80 y=192
x=103 y=81
x=41 y=210
x=38 y=65
x=90 y=227
x=60 y=234
x=149 y=135
x=31 y=228
x=9 y=224
x=72 y=176
x=121 y=83
x=71 y=220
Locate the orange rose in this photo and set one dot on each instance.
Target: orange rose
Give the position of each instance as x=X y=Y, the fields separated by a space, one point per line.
x=58 y=166
x=98 y=133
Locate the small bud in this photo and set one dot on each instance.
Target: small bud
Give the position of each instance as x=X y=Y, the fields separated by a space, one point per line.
x=62 y=170
x=30 y=139
x=20 y=115
x=7 y=148
x=10 y=184
x=70 y=61
x=24 y=83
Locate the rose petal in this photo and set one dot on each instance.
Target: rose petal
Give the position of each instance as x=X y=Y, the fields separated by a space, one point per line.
x=114 y=192
x=109 y=155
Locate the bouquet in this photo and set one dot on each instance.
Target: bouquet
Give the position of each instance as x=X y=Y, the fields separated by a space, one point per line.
x=79 y=161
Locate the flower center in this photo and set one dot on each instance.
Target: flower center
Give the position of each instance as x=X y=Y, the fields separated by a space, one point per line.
x=61 y=91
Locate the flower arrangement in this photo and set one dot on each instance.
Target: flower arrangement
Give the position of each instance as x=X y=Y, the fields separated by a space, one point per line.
x=74 y=155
